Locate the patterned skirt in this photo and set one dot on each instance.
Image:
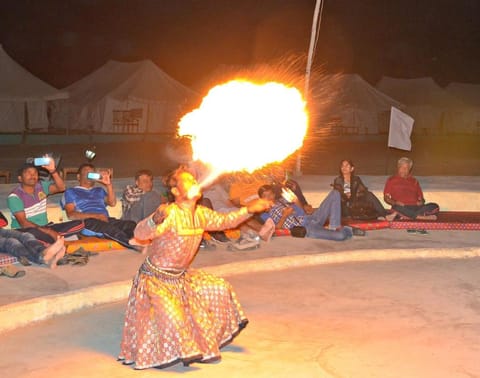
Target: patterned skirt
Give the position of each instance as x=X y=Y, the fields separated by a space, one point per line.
x=173 y=317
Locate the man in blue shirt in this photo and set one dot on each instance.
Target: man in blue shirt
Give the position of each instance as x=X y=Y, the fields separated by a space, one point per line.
x=288 y=214
x=89 y=203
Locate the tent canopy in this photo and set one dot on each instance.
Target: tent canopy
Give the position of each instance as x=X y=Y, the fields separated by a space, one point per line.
x=17 y=84
x=360 y=107
x=468 y=93
x=23 y=97
x=419 y=91
x=107 y=98
x=434 y=109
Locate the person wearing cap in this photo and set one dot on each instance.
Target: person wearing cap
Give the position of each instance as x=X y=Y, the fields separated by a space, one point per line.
x=28 y=201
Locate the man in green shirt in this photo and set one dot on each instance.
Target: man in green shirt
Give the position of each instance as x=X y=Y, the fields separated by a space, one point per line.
x=28 y=201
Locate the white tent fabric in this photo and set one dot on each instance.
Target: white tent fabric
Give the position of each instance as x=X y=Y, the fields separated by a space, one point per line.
x=435 y=110
x=468 y=93
x=358 y=106
x=23 y=97
x=124 y=97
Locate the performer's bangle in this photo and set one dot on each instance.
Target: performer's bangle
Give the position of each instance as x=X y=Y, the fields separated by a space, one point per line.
x=54 y=171
x=151 y=223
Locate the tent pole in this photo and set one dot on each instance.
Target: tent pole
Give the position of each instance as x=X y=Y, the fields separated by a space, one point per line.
x=311 y=51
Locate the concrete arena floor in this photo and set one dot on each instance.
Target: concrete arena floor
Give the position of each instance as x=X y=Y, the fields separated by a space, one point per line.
x=413 y=318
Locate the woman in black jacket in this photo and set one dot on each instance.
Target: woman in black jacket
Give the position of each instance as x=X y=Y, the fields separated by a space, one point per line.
x=357 y=201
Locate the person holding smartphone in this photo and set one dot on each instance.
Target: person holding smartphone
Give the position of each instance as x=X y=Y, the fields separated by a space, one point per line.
x=28 y=201
x=88 y=202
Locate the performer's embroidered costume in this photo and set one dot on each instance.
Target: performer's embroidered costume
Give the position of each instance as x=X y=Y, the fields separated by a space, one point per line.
x=176 y=314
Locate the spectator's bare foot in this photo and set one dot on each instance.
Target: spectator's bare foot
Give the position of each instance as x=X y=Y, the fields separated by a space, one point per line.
x=50 y=252
x=53 y=263
x=427 y=217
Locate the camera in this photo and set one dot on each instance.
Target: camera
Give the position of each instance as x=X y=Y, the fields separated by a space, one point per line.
x=90 y=153
x=94 y=176
x=40 y=161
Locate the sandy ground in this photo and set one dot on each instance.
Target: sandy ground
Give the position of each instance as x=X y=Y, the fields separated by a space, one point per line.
x=121 y=265
x=439 y=155
x=374 y=319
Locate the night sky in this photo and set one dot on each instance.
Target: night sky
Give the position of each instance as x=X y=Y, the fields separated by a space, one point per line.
x=60 y=41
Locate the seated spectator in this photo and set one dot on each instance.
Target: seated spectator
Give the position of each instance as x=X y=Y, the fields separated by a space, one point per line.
x=287 y=214
x=140 y=200
x=243 y=188
x=281 y=180
x=404 y=193
x=88 y=202
x=27 y=249
x=28 y=203
x=357 y=201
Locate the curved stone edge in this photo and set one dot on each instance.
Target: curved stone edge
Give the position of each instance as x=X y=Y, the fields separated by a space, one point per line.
x=22 y=313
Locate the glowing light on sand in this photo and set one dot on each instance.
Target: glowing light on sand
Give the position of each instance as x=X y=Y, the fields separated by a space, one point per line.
x=241 y=125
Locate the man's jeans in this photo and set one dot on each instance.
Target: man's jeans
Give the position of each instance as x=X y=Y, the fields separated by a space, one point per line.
x=21 y=244
x=330 y=209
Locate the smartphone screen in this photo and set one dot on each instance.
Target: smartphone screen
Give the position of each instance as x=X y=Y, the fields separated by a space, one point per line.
x=41 y=161
x=94 y=176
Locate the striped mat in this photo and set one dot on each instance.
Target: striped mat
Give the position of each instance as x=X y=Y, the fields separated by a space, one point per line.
x=447 y=220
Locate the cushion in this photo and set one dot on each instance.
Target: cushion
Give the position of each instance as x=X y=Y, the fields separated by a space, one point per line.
x=446 y=220
x=367 y=224
x=93 y=244
x=7 y=259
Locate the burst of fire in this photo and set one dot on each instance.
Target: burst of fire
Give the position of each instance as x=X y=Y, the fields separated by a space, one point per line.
x=241 y=125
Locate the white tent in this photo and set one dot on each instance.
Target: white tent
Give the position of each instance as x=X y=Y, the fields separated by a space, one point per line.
x=355 y=106
x=469 y=94
x=126 y=98
x=434 y=109
x=23 y=97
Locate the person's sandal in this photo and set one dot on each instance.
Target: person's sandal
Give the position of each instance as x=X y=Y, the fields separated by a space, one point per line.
x=81 y=252
x=11 y=271
x=24 y=261
x=73 y=259
x=63 y=261
x=358 y=231
x=77 y=260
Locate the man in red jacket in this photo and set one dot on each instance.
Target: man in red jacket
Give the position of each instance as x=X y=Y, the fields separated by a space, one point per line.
x=404 y=193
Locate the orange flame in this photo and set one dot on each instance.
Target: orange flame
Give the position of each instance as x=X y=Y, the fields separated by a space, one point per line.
x=241 y=125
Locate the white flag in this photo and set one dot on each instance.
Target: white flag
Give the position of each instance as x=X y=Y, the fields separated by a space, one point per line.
x=401 y=126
